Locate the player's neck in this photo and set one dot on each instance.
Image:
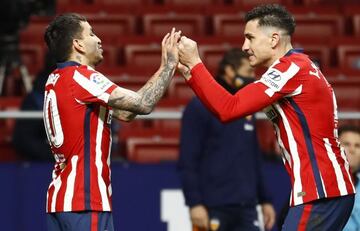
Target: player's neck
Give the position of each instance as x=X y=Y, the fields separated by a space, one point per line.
x=81 y=60
x=279 y=53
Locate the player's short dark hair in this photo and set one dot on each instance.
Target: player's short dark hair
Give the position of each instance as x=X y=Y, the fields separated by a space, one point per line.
x=273 y=15
x=348 y=128
x=60 y=33
x=234 y=58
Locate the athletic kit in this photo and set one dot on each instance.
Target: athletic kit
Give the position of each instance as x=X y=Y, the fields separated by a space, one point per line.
x=299 y=101
x=77 y=121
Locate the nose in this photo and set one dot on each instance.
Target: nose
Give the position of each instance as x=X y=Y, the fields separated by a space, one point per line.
x=245 y=46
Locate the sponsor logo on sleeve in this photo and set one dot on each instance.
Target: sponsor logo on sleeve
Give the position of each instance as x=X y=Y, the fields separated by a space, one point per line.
x=101 y=81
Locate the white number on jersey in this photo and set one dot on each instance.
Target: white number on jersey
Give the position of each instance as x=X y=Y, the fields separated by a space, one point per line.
x=52 y=121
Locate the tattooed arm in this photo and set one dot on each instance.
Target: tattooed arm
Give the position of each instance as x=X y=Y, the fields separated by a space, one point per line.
x=127 y=103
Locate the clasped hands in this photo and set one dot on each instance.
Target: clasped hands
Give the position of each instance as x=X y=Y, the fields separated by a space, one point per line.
x=181 y=51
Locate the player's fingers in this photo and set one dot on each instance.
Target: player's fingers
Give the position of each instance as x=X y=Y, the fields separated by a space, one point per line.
x=177 y=36
x=164 y=39
x=172 y=36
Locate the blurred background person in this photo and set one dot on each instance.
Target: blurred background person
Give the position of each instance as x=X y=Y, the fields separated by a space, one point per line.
x=220 y=164
x=29 y=137
x=349 y=137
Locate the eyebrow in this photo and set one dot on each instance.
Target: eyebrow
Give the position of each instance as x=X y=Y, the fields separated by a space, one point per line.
x=248 y=35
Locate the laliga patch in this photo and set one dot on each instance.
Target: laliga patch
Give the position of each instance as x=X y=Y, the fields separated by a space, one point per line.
x=214 y=224
x=101 y=81
x=276 y=80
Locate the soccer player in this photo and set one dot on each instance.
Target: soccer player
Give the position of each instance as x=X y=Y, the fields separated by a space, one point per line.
x=78 y=107
x=301 y=104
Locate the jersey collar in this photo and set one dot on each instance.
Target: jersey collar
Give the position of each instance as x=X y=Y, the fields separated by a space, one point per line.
x=67 y=64
x=294 y=50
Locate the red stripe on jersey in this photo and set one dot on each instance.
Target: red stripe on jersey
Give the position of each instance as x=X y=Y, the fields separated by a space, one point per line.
x=78 y=203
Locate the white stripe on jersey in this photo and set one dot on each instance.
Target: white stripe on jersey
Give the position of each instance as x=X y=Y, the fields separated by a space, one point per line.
x=91 y=87
x=336 y=166
x=108 y=163
x=295 y=156
x=69 y=193
x=281 y=144
x=346 y=163
x=98 y=161
x=323 y=185
x=57 y=185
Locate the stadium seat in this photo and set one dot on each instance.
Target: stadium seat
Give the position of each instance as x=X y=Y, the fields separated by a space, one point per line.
x=255 y=2
x=179 y=89
x=349 y=56
x=319 y=25
x=212 y=54
x=319 y=53
x=228 y=24
x=347 y=94
x=191 y=2
x=147 y=56
x=110 y=27
x=32 y=56
x=152 y=149
x=123 y=2
x=160 y=24
x=356 y=23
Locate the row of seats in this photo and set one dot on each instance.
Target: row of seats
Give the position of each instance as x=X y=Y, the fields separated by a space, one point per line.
x=111 y=26
x=205 y=2
x=146 y=52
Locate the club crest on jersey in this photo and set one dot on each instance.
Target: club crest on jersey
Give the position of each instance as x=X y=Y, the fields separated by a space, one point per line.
x=100 y=81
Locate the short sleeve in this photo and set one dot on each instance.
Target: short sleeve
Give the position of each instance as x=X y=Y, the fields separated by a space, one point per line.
x=282 y=78
x=90 y=86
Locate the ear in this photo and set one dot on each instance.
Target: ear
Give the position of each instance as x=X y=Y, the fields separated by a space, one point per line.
x=229 y=71
x=275 y=39
x=78 y=45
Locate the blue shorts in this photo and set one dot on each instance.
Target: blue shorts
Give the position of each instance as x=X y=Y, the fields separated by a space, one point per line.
x=325 y=214
x=84 y=221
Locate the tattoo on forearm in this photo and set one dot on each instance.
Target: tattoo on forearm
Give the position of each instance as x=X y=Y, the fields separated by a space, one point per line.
x=150 y=93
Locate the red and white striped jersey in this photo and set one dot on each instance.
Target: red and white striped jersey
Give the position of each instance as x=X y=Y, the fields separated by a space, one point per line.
x=302 y=106
x=305 y=120
x=77 y=122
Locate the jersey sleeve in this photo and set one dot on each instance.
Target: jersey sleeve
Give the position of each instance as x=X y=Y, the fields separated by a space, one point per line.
x=282 y=78
x=90 y=86
x=227 y=107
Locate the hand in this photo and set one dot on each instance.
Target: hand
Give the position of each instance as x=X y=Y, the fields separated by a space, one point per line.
x=269 y=215
x=199 y=217
x=169 y=50
x=188 y=52
x=184 y=71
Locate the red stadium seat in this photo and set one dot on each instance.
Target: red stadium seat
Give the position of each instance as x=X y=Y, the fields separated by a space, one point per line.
x=152 y=149
x=212 y=54
x=146 y=56
x=32 y=56
x=228 y=24
x=110 y=27
x=160 y=24
x=123 y=2
x=349 y=56
x=256 y=2
x=319 y=26
x=347 y=94
x=319 y=53
x=179 y=89
x=356 y=23
x=191 y=2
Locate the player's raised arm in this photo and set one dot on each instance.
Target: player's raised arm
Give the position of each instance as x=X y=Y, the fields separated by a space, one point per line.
x=144 y=100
